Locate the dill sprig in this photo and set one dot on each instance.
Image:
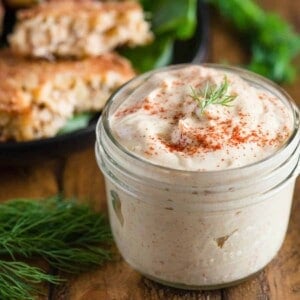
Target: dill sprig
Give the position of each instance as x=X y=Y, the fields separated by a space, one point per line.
x=213 y=94
x=19 y=280
x=64 y=233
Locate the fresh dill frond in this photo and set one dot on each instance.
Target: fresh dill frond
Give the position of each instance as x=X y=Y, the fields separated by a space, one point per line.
x=213 y=94
x=69 y=236
x=18 y=280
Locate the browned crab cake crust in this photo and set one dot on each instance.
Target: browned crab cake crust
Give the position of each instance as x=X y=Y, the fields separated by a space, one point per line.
x=79 y=28
x=37 y=97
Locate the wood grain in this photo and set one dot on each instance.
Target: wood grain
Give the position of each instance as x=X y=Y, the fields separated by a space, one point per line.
x=83 y=179
x=118 y=281
x=28 y=181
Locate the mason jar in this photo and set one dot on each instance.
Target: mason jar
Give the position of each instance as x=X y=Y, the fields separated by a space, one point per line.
x=198 y=229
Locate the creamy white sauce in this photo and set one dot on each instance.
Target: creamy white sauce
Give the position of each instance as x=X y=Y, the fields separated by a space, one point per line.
x=161 y=122
x=199 y=229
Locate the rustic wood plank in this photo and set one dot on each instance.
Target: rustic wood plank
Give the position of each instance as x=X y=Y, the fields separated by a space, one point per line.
x=83 y=179
x=294 y=90
x=289 y=10
x=28 y=181
x=118 y=281
x=225 y=44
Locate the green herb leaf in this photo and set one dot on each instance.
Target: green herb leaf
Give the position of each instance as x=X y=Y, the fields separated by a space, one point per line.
x=64 y=233
x=19 y=280
x=77 y=122
x=213 y=94
x=170 y=20
x=155 y=55
x=273 y=42
x=174 y=18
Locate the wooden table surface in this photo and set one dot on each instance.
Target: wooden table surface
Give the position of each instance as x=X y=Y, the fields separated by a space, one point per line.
x=78 y=175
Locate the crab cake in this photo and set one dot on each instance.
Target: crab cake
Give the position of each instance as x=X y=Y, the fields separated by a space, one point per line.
x=37 y=97
x=79 y=28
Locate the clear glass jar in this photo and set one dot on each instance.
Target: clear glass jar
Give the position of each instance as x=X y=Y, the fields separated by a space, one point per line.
x=198 y=230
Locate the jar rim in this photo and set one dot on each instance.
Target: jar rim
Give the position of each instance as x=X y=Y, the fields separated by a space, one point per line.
x=246 y=75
